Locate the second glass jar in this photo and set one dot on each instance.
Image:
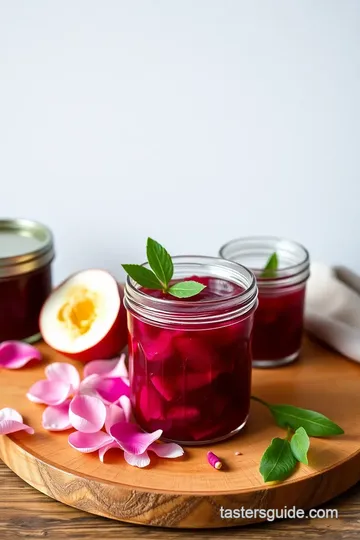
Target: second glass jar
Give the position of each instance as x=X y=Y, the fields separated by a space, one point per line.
x=190 y=361
x=278 y=323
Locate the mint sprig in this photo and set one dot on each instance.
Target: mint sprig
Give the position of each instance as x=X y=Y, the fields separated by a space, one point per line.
x=161 y=273
x=271 y=267
x=301 y=423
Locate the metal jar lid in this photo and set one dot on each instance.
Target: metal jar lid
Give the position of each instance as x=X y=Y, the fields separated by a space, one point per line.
x=25 y=246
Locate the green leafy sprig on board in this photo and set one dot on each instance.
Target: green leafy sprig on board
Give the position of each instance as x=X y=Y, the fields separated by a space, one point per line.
x=161 y=273
x=281 y=457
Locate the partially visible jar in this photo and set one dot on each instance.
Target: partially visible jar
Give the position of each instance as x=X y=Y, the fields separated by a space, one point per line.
x=190 y=362
x=26 y=253
x=278 y=323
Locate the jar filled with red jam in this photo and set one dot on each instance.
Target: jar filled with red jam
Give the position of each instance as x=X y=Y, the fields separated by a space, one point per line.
x=190 y=359
x=278 y=322
x=26 y=253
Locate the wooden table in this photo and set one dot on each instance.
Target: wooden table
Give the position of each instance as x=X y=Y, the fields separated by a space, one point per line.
x=26 y=513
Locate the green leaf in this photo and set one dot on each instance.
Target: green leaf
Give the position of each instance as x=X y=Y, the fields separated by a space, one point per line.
x=271 y=266
x=143 y=276
x=278 y=461
x=186 y=289
x=300 y=444
x=160 y=261
x=314 y=423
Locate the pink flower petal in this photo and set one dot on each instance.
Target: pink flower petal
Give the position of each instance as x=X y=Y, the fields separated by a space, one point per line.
x=87 y=414
x=104 y=449
x=89 y=442
x=57 y=418
x=12 y=421
x=126 y=407
x=64 y=372
x=132 y=439
x=167 y=450
x=10 y=414
x=114 y=414
x=107 y=368
x=140 y=460
x=15 y=354
x=49 y=392
x=107 y=389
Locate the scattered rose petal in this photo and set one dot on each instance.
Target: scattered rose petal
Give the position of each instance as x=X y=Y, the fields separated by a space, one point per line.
x=107 y=368
x=114 y=414
x=107 y=389
x=167 y=450
x=126 y=407
x=49 y=392
x=56 y=418
x=140 y=460
x=87 y=414
x=132 y=439
x=104 y=449
x=12 y=421
x=15 y=354
x=66 y=373
x=89 y=442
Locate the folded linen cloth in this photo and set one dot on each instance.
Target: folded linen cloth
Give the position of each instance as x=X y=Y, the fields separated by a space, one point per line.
x=332 y=308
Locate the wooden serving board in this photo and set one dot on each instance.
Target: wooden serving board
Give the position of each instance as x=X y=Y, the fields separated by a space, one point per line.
x=187 y=492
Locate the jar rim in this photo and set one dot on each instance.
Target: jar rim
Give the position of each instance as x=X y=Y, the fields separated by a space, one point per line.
x=26 y=260
x=219 y=309
x=291 y=274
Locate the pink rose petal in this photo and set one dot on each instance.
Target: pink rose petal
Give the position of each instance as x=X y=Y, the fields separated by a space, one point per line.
x=15 y=354
x=167 y=450
x=107 y=389
x=10 y=414
x=64 y=372
x=104 y=449
x=107 y=368
x=140 y=460
x=11 y=421
x=57 y=418
x=132 y=439
x=126 y=407
x=49 y=392
x=114 y=414
x=87 y=414
x=89 y=442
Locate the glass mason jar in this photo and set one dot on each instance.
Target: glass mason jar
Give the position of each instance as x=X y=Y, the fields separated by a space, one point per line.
x=278 y=322
x=189 y=359
x=26 y=254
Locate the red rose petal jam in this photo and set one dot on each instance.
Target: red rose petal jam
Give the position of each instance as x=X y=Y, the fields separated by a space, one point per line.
x=278 y=321
x=278 y=325
x=193 y=382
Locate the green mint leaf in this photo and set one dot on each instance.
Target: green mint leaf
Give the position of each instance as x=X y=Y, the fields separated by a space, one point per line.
x=186 y=289
x=314 y=423
x=300 y=444
x=271 y=266
x=278 y=461
x=143 y=276
x=160 y=261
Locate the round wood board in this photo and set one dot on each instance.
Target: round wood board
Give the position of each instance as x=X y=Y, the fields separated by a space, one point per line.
x=187 y=492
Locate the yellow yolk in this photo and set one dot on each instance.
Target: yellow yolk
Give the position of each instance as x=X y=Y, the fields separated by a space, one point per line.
x=79 y=311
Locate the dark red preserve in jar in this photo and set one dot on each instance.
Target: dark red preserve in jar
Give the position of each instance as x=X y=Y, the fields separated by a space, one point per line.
x=26 y=253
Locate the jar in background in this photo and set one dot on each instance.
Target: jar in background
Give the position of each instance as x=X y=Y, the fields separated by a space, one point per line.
x=26 y=253
x=278 y=322
x=189 y=359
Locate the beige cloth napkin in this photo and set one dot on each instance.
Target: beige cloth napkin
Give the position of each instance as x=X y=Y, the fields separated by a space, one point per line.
x=332 y=308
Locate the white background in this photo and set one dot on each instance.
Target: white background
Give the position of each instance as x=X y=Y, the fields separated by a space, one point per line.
x=193 y=121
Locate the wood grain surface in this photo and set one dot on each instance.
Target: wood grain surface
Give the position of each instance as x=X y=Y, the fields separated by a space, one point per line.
x=27 y=514
x=187 y=492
